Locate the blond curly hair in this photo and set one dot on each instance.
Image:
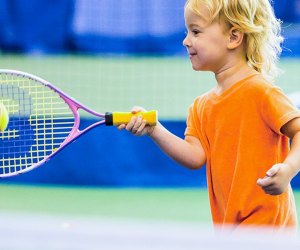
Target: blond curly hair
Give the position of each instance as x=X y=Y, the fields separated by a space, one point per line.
x=256 y=19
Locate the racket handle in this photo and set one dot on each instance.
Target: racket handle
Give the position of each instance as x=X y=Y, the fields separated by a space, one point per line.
x=117 y=118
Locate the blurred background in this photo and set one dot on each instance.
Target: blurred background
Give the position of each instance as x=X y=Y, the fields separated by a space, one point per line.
x=111 y=55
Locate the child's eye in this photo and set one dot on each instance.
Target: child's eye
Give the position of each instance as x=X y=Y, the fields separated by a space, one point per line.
x=196 y=32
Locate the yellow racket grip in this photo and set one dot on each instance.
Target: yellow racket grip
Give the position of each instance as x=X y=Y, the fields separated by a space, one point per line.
x=117 y=118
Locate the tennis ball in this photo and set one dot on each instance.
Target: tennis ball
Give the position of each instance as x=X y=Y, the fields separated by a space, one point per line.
x=4 y=117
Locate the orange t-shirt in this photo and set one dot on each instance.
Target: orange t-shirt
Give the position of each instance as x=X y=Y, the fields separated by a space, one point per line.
x=240 y=133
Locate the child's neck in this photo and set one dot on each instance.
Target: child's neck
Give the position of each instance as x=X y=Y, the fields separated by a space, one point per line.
x=231 y=75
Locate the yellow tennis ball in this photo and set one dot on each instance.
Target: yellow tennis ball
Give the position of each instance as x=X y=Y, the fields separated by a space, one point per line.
x=4 y=117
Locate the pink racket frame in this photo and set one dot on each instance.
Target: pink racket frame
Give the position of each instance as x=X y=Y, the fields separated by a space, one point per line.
x=74 y=106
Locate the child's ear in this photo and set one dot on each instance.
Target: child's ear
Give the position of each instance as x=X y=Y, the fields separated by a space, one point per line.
x=235 y=38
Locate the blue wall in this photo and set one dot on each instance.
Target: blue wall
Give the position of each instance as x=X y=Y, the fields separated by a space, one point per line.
x=35 y=25
x=108 y=157
x=108 y=26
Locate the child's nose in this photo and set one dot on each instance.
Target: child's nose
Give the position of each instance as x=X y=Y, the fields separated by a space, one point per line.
x=186 y=42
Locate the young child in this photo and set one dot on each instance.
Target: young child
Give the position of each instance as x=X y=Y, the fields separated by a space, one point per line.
x=241 y=128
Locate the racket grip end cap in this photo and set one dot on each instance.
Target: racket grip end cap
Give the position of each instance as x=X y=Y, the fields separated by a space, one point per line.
x=109 y=119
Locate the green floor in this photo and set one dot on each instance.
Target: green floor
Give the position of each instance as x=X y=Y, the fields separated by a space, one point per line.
x=151 y=204
x=185 y=205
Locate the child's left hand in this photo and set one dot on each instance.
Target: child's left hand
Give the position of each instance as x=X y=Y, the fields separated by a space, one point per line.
x=277 y=179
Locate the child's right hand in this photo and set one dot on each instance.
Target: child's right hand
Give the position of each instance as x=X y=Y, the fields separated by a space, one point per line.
x=137 y=125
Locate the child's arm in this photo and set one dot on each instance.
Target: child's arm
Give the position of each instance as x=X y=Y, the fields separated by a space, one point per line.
x=279 y=176
x=188 y=152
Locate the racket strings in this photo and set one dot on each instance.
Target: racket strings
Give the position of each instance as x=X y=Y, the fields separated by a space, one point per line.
x=40 y=121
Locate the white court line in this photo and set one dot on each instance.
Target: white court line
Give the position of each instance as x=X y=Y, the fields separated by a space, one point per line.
x=43 y=232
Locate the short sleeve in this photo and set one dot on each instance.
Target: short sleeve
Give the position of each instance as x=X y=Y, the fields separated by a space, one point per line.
x=194 y=118
x=277 y=109
x=191 y=122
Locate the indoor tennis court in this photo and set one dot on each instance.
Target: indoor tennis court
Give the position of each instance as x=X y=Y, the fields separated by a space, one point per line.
x=109 y=189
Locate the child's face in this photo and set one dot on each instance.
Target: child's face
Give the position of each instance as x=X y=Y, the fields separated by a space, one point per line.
x=206 y=42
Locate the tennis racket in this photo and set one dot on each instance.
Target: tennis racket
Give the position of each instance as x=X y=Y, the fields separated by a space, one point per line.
x=42 y=121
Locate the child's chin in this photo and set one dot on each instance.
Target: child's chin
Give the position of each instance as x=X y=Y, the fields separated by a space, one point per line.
x=197 y=68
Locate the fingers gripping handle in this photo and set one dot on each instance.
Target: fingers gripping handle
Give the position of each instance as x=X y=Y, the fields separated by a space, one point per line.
x=117 y=118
